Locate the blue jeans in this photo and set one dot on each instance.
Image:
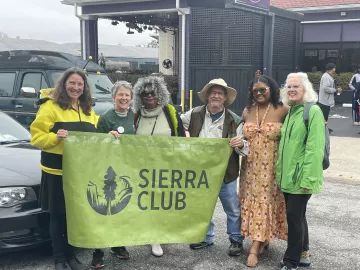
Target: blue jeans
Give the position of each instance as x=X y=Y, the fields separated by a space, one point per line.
x=231 y=205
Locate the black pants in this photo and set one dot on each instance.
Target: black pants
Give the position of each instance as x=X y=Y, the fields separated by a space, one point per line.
x=298 y=235
x=61 y=249
x=325 y=110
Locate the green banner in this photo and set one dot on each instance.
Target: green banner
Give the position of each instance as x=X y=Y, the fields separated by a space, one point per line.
x=139 y=189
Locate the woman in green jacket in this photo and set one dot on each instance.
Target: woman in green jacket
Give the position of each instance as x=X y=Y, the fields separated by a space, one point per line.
x=299 y=170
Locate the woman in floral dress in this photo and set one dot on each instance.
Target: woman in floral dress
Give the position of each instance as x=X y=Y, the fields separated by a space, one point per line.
x=263 y=212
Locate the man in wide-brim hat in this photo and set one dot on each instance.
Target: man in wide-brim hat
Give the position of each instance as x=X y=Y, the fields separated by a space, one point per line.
x=215 y=120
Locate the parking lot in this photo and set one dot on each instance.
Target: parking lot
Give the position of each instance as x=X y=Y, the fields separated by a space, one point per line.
x=333 y=218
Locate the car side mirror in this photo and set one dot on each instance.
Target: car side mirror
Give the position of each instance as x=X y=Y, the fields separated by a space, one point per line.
x=93 y=99
x=28 y=92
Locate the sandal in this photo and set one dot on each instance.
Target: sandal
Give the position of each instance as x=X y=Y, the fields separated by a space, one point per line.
x=252 y=263
x=264 y=246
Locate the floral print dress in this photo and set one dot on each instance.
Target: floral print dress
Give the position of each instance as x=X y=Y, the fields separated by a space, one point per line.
x=263 y=210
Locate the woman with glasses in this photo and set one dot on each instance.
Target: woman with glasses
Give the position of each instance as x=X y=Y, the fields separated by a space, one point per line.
x=299 y=168
x=155 y=116
x=263 y=211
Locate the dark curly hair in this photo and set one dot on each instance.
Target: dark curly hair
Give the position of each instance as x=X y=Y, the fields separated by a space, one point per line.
x=62 y=99
x=274 y=91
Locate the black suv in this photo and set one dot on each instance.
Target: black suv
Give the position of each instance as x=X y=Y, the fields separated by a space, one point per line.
x=24 y=72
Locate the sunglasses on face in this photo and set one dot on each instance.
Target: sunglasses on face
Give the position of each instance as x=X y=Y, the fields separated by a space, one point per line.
x=146 y=94
x=261 y=90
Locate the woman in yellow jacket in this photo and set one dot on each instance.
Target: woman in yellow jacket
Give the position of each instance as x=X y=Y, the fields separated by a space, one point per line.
x=68 y=107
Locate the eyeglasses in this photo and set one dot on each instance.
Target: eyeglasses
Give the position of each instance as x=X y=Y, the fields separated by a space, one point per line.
x=261 y=90
x=293 y=86
x=146 y=94
x=214 y=93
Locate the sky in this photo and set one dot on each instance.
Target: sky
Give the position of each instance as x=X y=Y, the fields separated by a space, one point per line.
x=52 y=21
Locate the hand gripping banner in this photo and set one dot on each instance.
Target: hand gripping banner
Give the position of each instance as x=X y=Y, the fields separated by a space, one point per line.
x=140 y=190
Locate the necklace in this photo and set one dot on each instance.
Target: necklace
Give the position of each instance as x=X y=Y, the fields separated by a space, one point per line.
x=259 y=125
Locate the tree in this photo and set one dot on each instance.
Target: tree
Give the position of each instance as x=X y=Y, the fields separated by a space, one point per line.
x=3 y=35
x=109 y=187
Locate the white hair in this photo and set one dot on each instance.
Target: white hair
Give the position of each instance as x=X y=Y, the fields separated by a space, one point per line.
x=309 y=93
x=120 y=84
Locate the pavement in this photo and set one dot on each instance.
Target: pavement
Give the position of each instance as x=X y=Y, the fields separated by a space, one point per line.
x=341 y=122
x=333 y=218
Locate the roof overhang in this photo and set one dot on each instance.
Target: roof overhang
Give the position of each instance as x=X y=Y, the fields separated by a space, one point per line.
x=96 y=2
x=334 y=8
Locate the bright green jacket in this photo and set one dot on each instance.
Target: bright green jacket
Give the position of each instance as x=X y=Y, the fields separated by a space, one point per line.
x=299 y=164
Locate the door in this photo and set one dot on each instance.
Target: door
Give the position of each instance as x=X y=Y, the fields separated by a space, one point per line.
x=7 y=93
x=25 y=104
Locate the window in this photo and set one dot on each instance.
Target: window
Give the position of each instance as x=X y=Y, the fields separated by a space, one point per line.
x=7 y=81
x=34 y=80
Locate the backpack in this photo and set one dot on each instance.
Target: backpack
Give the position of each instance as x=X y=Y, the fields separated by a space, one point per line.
x=326 y=160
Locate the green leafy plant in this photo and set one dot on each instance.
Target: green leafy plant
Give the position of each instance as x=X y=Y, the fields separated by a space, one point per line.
x=342 y=79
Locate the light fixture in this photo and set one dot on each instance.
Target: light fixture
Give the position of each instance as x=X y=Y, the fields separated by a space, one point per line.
x=343 y=13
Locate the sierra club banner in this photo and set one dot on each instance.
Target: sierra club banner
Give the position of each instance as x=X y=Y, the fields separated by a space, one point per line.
x=139 y=189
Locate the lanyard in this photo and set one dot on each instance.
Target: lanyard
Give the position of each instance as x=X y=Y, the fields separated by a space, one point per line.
x=153 y=129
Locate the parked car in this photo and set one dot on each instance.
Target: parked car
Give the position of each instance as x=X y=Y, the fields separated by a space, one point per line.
x=22 y=223
x=24 y=73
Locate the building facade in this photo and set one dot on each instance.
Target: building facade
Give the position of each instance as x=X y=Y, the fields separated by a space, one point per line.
x=228 y=39
x=330 y=33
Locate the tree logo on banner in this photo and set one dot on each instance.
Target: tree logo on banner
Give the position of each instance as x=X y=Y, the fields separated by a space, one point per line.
x=167 y=64
x=111 y=195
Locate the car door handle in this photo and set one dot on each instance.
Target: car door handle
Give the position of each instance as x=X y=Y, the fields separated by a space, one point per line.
x=19 y=106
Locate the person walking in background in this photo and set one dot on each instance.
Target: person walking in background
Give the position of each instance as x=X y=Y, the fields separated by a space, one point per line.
x=263 y=211
x=355 y=87
x=257 y=73
x=68 y=107
x=215 y=120
x=117 y=121
x=102 y=60
x=299 y=168
x=327 y=91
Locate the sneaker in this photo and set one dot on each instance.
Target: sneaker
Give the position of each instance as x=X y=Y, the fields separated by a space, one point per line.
x=156 y=250
x=201 y=245
x=287 y=268
x=120 y=252
x=235 y=248
x=305 y=259
x=97 y=261
x=75 y=264
x=62 y=266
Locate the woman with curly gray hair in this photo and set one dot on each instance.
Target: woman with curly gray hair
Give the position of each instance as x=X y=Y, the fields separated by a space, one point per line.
x=153 y=113
x=155 y=116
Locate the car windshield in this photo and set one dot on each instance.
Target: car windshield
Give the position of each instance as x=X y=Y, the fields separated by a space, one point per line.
x=12 y=131
x=100 y=85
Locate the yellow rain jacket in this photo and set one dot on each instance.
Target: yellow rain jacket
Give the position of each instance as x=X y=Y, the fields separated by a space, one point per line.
x=49 y=119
